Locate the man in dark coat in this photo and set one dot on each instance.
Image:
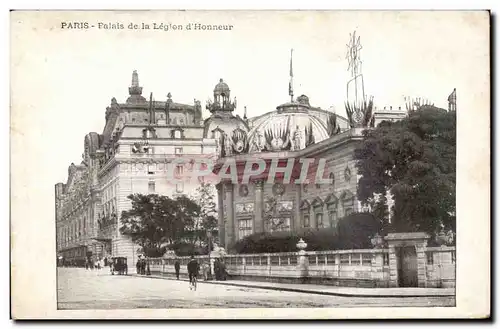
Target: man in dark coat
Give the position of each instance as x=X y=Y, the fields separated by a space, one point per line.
x=177 y=266
x=217 y=269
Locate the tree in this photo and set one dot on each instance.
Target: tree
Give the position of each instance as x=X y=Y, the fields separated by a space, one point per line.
x=156 y=220
x=207 y=221
x=415 y=160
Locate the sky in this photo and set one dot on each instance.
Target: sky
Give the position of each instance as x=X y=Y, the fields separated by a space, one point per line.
x=62 y=80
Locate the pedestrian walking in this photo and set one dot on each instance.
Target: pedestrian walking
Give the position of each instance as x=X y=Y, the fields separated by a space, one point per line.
x=206 y=271
x=217 y=269
x=177 y=266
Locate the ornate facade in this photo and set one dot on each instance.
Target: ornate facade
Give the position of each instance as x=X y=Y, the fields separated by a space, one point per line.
x=140 y=139
x=296 y=131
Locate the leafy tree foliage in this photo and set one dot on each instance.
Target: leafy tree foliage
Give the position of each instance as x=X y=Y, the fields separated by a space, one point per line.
x=413 y=159
x=196 y=233
x=155 y=221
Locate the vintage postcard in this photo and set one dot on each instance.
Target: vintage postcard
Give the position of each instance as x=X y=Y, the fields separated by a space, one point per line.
x=250 y=164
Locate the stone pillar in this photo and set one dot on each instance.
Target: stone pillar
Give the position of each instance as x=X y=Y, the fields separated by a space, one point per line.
x=230 y=225
x=259 y=207
x=378 y=270
x=303 y=261
x=422 y=263
x=297 y=213
x=220 y=221
x=393 y=267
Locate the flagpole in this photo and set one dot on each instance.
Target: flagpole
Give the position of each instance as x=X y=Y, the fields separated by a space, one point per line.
x=290 y=91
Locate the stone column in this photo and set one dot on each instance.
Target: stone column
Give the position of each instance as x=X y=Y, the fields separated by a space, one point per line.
x=422 y=263
x=378 y=270
x=259 y=207
x=297 y=212
x=220 y=221
x=393 y=267
x=230 y=225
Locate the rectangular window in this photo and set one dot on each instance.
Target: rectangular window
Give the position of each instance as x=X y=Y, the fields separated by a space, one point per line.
x=312 y=259
x=151 y=187
x=179 y=187
x=319 y=220
x=245 y=228
x=179 y=170
x=151 y=169
x=178 y=150
x=330 y=259
x=386 y=259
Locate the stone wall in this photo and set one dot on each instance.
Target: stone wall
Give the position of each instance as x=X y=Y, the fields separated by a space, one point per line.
x=440 y=268
x=357 y=268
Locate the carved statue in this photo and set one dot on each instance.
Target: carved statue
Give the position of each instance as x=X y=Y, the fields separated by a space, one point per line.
x=278 y=139
x=239 y=141
x=297 y=139
x=309 y=136
x=259 y=141
x=225 y=145
x=332 y=126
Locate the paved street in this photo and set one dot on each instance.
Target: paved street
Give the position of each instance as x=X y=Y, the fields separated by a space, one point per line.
x=85 y=289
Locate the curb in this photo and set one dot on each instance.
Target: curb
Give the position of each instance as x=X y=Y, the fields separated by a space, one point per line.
x=316 y=292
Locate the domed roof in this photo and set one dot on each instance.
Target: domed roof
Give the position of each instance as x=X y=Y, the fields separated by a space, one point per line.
x=291 y=127
x=226 y=123
x=222 y=88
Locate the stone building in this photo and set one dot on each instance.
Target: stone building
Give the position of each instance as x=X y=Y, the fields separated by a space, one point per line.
x=140 y=139
x=295 y=130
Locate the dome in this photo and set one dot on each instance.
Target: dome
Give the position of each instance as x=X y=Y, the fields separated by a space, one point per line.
x=226 y=123
x=291 y=127
x=222 y=88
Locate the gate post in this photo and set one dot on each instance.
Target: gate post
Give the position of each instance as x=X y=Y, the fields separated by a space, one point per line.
x=398 y=240
x=303 y=261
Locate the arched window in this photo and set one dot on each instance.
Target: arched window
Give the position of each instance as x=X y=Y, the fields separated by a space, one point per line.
x=318 y=212
x=331 y=206
x=347 y=199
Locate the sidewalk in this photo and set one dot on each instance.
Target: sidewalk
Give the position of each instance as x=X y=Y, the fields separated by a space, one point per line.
x=326 y=290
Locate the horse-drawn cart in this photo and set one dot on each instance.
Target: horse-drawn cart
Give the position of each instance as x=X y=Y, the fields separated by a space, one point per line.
x=119 y=265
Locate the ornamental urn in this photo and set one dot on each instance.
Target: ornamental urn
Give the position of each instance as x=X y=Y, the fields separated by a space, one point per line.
x=377 y=241
x=301 y=245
